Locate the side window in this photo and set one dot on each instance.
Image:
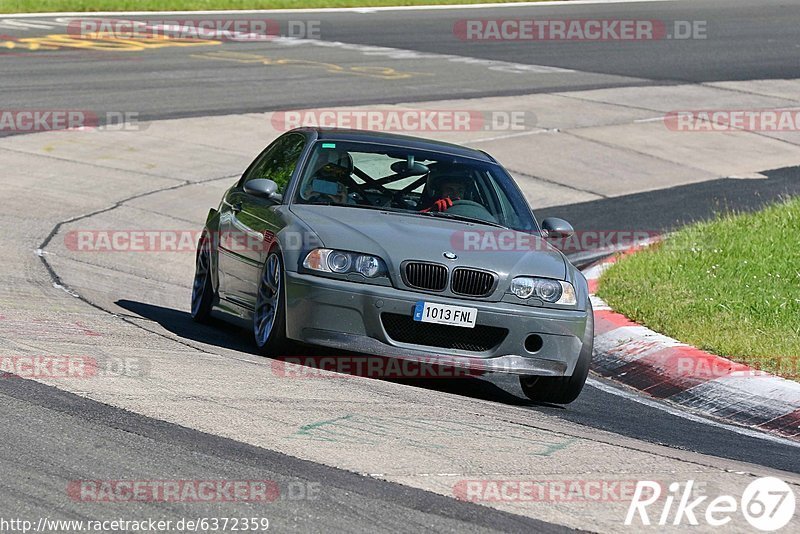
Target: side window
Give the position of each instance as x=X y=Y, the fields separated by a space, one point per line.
x=278 y=163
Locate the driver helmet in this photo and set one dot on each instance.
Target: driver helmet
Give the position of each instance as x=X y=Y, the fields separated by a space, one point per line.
x=452 y=185
x=335 y=167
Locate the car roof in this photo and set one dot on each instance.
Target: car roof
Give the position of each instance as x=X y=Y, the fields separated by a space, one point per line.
x=418 y=143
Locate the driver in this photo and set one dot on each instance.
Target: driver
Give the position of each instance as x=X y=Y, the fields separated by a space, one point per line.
x=444 y=191
x=327 y=183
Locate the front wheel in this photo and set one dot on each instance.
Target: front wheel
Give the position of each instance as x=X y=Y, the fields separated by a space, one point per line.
x=563 y=389
x=202 y=288
x=269 y=316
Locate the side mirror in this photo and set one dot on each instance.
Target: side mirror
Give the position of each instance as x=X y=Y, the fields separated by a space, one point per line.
x=557 y=228
x=263 y=188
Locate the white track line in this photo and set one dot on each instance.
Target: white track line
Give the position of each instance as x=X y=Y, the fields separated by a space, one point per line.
x=635 y=397
x=335 y=9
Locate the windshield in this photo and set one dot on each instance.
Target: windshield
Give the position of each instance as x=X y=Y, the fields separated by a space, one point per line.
x=375 y=176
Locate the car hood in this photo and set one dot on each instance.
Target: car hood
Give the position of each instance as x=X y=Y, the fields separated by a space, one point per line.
x=397 y=237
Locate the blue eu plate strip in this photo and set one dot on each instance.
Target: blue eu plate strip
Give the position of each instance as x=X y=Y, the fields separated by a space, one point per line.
x=418 y=310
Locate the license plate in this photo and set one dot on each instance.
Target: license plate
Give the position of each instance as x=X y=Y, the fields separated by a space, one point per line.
x=429 y=312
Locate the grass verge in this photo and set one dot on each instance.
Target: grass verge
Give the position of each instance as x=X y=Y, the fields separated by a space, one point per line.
x=48 y=6
x=730 y=286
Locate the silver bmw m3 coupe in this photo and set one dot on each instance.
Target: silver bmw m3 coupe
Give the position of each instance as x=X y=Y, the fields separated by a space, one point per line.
x=396 y=246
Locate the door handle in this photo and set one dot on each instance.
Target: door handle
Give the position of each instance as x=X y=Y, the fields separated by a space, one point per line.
x=236 y=207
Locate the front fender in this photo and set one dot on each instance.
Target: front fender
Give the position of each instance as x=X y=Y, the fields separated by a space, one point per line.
x=296 y=239
x=212 y=227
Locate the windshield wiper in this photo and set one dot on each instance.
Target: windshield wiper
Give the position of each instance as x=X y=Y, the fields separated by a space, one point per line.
x=463 y=218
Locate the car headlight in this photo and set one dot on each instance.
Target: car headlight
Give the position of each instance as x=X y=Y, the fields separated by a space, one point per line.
x=552 y=291
x=341 y=262
x=369 y=266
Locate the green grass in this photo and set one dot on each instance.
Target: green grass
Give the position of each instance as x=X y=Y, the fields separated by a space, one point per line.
x=44 y=6
x=730 y=286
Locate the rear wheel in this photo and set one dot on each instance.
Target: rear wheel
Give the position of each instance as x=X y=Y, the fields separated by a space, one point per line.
x=563 y=389
x=202 y=288
x=269 y=316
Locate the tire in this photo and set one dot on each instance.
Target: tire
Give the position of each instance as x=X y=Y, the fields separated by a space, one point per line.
x=203 y=296
x=563 y=389
x=269 y=315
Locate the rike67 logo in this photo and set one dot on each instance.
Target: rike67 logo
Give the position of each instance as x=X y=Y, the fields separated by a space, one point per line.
x=768 y=504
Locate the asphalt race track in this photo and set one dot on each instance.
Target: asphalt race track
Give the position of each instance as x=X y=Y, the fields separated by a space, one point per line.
x=750 y=40
x=174 y=424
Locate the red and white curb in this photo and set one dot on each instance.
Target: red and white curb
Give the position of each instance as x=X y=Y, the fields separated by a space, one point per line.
x=665 y=368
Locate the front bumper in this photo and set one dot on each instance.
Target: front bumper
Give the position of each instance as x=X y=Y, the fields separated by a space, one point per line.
x=347 y=315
